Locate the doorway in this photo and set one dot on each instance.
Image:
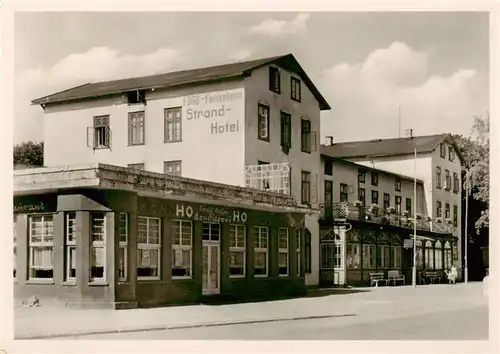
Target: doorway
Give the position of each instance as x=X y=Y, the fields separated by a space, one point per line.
x=211 y=258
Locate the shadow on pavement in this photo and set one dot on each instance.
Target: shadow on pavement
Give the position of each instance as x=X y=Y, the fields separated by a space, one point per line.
x=228 y=300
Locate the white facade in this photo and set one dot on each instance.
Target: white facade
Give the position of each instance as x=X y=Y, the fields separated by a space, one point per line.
x=219 y=135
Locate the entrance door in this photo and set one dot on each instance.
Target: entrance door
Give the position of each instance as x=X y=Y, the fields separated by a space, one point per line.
x=211 y=259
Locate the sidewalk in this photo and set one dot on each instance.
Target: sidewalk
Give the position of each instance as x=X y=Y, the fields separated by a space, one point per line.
x=379 y=303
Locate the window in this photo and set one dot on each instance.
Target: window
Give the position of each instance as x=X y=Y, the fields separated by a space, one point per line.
x=237 y=251
x=148 y=247
x=374 y=197
x=101 y=133
x=98 y=247
x=387 y=201
x=396 y=257
x=448 y=260
x=283 y=262
x=374 y=178
x=398 y=184
x=361 y=176
x=263 y=122
x=306 y=187
x=353 y=255
x=274 y=79
x=182 y=246
x=295 y=89
x=447 y=210
x=420 y=257
x=455 y=215
x=286 y=130
x=398 y=204
x=297 y=245
x=305 y=135
x=172 y=167
x=344 y=192
x=136 y=166
x=448 y=180
x=136 y=96
x=210 y=231
x=70 y=247
x=173 y=124
x=122 y=258
x=338 y=256
x=136 y=128
x=384 y=256
x=41 y=247
x=408 y=206
x=307 y=251
x=442 y=148
x=362 y=196
x=451 y=153
x=328 y=167
x=369 y=255
x=261 y=263
x=429 y=255
x=439 y=210
x=328 y=194
x=456 y=183
x=438 y=177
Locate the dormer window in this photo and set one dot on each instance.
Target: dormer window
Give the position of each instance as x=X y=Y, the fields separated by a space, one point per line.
x=136 y=97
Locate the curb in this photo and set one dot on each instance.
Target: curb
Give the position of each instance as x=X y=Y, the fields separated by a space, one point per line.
x=174 y=327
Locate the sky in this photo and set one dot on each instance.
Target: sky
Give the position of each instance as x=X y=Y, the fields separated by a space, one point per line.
x=431 y=67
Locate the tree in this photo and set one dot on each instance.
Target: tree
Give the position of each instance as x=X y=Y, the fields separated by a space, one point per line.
x=28 y=153
x=476 y=153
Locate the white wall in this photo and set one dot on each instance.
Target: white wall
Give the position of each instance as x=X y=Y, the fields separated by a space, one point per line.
x=203 y=151
x=405 y=165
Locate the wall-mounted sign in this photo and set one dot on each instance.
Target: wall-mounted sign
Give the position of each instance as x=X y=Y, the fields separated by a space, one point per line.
x=35 y=204
x=408 y=243
x=204 y=213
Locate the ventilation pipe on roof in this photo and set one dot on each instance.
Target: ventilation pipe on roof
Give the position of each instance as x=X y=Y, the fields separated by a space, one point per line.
x=329 y=140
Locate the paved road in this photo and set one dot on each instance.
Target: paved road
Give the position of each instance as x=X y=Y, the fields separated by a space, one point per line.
x=467 y=324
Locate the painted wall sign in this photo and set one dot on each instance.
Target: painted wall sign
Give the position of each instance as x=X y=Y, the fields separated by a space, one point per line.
x=35 y=204
x=220 y=108
x=210 y=213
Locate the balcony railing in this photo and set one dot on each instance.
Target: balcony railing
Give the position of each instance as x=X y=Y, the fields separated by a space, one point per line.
x=273 y=177
x=382 y=216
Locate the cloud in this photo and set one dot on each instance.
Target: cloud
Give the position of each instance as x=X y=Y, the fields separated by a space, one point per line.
x=365 y=96
x=97 y=64
x=272 y=27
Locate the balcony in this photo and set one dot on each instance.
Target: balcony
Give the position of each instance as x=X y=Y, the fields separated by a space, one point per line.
x=350 y=211
x=273 y=177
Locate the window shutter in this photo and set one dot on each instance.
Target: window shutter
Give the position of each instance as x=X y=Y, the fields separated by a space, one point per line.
x=314 y=144
x=282 y=133
x=108 y=136
x=90 y=137
x=314 y=188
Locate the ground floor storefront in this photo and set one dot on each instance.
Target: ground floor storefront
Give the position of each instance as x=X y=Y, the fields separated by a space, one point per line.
x=350 y=253
x=101 y=247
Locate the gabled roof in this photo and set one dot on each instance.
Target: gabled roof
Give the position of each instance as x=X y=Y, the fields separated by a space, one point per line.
x=388 y=147
x=183 y=78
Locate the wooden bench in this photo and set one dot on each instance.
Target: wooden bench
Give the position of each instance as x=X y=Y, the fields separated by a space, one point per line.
x=375 y=278
x=433 y=276
x=395 y=275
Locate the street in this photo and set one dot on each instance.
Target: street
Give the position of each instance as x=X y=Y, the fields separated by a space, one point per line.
x=467 y=324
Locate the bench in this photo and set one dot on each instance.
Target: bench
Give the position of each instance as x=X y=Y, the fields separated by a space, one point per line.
x=432 y=276
x=394 y=275
x=375 y=278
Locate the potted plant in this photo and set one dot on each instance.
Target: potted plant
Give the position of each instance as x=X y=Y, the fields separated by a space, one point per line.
x=439 y=220
x=385 y=219
x=358 y=203
x=405 y=213
x=449 y=221
x=391 y=210
x=428 y=218
x=419 y=217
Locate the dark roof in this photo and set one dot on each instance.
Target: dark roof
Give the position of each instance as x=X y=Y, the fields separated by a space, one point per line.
x=368 y=168
x=182 y=78
x=388 y=147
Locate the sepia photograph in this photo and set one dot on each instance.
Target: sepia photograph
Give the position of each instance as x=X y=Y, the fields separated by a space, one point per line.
x=291 y=175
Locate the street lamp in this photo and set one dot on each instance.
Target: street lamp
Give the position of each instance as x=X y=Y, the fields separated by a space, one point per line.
x=467 y=193
x=414 y=269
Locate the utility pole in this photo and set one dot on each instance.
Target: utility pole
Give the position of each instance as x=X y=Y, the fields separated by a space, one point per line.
x=467 y=192
x=414 y=267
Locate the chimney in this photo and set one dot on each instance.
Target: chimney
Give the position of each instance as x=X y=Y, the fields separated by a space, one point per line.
x=329 y=140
